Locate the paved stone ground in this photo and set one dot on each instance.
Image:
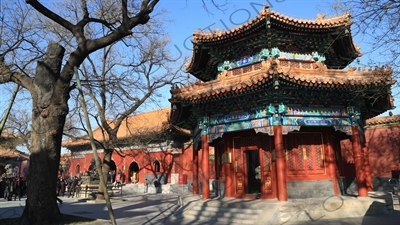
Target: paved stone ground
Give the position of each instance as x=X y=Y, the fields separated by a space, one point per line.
x=133 y=209
x=157 y=209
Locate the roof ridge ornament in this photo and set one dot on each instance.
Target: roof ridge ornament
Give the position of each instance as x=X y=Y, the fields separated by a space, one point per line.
x=267 y=8
x=321 y=16
x=321 y=66
x=317 y=57
x=265 y=65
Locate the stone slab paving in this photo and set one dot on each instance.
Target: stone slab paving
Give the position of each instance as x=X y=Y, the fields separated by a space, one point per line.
x=157 y=209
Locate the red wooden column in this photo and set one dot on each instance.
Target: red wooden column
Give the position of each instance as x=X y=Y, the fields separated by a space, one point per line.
x=228 y=167
x=358 y=162
x=195 y=168
x=205 y=186
x=330 y=162
x=367 y=170
x=280 y=163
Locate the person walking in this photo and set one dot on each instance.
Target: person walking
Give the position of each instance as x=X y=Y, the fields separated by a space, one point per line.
x=58 y=187
x=78 y=187
x=7 y=189
x=2 y=187
x=17 y=189
x=62 y=187
x=73 y=186
x=146 y=185
x=118 y=179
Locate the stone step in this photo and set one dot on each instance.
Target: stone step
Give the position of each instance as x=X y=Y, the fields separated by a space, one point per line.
x=331 y=208
x=212 y=220
x=226 y=209
x=222 y=212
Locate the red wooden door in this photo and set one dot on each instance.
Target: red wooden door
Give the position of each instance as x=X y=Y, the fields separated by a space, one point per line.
x=268 y=178
x=305 y=154
x=238 y=169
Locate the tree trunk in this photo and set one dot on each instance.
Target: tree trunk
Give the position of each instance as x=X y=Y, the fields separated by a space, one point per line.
x=105 y=168
x=48 y=117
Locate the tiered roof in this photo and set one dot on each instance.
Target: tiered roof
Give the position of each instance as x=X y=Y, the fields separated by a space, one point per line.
x=299 y=83
x=308 y=75
x=330 y=37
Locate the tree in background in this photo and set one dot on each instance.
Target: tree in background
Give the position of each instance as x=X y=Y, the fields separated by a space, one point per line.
x=116 y=84
x=377 y=21
x=41 y=45
x=25 y=37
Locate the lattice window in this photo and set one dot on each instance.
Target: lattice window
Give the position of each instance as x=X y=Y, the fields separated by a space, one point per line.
x=291 y=152
x=284 y=63
x=291 y=159
x=307 y=146
x=251 y=141
x=308 y=155
x=295 y=64
x=237 y=71
x=247 y=69
x=257 y=66
x=300 y=158
x=238 y=156
x=306 y=65
x=319 y=157
x=266 y=146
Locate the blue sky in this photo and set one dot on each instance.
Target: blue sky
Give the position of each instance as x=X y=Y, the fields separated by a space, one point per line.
x=189 y=15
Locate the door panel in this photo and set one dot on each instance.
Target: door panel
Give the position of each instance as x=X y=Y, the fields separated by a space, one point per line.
x=244 y=149
x=249 y=146
x=219 y=151
x=238 y=169
x=305 y=154
x=253 y=173
x=267 y=179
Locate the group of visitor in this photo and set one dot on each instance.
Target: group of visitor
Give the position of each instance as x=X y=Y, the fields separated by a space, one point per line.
x=69 y=187
x=12 y=187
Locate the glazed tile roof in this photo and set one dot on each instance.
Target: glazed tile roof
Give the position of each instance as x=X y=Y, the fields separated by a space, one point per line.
x=12 y=153
x=330 y=37
x=320 y=23
x=144 y=123
x=314 y=75
x=383 y=121
x=65 y=158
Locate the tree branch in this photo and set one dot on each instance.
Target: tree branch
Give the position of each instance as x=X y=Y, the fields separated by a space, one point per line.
x=50 y=14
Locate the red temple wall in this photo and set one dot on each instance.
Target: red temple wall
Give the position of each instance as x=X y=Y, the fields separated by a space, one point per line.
x=169 y=163
x=384 y=151
x=383 y=144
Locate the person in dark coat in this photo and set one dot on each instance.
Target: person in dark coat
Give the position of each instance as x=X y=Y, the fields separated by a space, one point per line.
x=146 y=185
x=2 y=185
x=62 y=187
x=58 y=187
x=68 y=182
x=17 y=189
x=157 y=185
x=74 y=183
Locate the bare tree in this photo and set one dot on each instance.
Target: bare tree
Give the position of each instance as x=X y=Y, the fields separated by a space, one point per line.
x=122 y=83
x=41 y=44
x=18 y=124
x=376 y=21
x=50 y=85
